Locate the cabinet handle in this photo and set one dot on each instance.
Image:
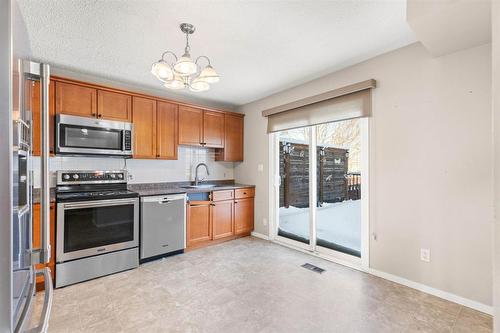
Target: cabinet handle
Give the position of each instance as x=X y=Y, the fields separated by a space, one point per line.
x=99 y=116
x=235 y=202
x=93 y=114
x=212 y=204
x=157 y=155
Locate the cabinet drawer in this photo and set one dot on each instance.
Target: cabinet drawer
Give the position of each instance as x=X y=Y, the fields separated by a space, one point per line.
x=222 y=195
x=244 y=193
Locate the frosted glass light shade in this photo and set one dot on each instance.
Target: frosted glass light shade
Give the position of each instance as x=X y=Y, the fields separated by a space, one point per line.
x=185 y=66
x=176 y=83
x=162 y=71
x=209 y=75
x=199 y=85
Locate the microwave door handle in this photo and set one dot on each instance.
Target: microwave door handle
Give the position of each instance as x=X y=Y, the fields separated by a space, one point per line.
x=123 y=140
x=44 y=165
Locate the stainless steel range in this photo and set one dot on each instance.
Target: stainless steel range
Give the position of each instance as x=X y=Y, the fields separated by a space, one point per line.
x=97 y=225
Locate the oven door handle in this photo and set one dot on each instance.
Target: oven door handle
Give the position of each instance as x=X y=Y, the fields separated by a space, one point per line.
x=100 y=203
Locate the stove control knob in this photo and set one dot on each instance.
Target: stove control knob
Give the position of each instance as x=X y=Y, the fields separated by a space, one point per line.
x=120 y=175
x=75 y=176
x=112 y=175
x=66 y=176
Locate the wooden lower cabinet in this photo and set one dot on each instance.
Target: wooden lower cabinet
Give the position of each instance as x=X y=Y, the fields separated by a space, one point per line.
x=229 y=215
x=199 y=227
x=222 y=214
x=36 y=241
x=243 y=216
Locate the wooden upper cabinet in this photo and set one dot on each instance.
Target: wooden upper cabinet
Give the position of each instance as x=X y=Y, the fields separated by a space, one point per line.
x=76 y=100
x=167 y=115
x=144 y=120
x=233 y=139
x=35 y=108
x=243 y=215
x=114 y=106
x=222 y=215
x=213 y=129
x=190 y=126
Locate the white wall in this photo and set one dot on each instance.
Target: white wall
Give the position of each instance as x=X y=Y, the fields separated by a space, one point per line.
x=496 y=130
x=145 y=171
x=431 y=175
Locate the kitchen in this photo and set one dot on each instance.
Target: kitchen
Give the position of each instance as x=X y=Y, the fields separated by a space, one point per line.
x=93 y=120
x=212 y=166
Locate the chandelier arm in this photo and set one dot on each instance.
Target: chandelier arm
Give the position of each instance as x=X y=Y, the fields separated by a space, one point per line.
x=204 y=57
x=168 y=52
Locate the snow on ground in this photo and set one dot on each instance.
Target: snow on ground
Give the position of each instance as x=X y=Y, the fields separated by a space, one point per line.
x=338 y=223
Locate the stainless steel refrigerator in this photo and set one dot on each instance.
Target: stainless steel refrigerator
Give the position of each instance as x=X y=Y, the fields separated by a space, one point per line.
x=18 y=257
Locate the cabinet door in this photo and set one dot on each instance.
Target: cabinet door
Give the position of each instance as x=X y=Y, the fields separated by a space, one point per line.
x=166 y=130
x=223 y=219
x=114 y=106
x=243 y=215
x=76 y=100
x=37 y=241
x=35 y=108
x=199 y=228
x=144 y=119
x=233 y=140
x=213 y=129
x=190 y=126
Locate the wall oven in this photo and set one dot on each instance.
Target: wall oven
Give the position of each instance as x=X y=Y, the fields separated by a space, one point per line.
x=89 y=136
x=97 y=225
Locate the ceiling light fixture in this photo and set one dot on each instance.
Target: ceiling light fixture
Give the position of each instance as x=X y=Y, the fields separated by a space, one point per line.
x=184 y=72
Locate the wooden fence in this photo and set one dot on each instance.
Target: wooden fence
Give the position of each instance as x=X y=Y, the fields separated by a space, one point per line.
x=334 y=182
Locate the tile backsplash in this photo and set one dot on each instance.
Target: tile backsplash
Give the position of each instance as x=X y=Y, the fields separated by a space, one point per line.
x=144 y=171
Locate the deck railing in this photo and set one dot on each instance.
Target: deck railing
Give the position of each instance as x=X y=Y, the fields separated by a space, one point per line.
x=353 y=180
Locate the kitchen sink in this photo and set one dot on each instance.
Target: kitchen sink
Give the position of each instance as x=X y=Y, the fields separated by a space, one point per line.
x=202 y=186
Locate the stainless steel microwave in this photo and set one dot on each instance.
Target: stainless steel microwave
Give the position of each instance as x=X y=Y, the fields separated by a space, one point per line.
x=89 y=136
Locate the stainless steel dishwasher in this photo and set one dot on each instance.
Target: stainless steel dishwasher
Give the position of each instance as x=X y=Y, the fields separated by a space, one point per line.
x=163 y=226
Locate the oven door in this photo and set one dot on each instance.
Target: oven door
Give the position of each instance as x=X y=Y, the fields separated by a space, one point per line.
x=80 y=135
x=89 y=228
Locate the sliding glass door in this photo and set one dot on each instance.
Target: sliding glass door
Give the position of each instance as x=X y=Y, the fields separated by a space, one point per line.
x=320 y=184
x=338 y=209
x=294 y=218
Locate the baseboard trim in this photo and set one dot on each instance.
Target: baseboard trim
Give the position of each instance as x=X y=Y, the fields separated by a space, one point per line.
x=259 y=235
x=433 y=291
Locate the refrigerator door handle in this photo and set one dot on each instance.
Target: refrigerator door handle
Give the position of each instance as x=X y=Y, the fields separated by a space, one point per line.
x=43 y=325
x=44 y=162
x=23 y=318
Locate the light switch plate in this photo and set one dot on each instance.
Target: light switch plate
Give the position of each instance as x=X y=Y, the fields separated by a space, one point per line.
x=260 y=167
x=425 y=255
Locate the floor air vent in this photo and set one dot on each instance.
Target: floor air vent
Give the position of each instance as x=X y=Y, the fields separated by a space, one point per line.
x=313 y=268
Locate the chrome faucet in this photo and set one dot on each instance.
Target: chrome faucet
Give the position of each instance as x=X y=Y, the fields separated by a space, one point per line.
x=196 y=178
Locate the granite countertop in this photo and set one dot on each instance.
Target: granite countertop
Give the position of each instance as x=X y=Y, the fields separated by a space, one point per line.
x=148 y=189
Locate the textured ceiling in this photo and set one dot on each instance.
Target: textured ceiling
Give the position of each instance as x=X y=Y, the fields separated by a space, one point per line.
x=258 y=47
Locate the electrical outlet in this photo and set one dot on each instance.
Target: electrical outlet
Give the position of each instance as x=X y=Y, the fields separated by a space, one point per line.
x=425 y=255
x=130 y=176
x=264 y=221
x=260 y=167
